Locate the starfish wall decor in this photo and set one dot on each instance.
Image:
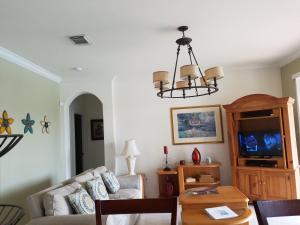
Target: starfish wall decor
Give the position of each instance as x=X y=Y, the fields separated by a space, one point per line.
x=28 y=124
x=45 y=125
x=5 y=123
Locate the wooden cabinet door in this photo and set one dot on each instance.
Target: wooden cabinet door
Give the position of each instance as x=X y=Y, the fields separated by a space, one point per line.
x=276 y=185
x=249 y=182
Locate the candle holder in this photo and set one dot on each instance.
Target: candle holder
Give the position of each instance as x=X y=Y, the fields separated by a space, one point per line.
x=167 y=168
x=166 y=153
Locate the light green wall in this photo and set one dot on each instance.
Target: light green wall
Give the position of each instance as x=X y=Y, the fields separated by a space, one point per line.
x=289 y=89
x=32 y=164
x=288 y=84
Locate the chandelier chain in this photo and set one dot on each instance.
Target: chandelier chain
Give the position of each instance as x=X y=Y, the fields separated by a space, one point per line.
x=190 y=47
x=177 y=55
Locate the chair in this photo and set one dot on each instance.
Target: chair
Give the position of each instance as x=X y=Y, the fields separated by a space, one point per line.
x=274 y=208
x=10 y=214
x=139 y=206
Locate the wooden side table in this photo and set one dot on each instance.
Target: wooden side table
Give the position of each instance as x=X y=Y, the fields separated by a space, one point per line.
x=167 y=176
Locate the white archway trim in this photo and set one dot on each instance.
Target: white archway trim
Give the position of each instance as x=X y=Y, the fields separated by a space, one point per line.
x=102 y=89
x=70 y=91
x=66 y=131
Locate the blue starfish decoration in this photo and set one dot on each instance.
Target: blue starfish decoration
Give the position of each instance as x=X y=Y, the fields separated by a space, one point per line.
x=28 y=124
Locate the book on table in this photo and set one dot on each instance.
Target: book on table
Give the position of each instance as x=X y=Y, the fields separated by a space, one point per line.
x=221 y=212
x=190 y=180
x=201 y=191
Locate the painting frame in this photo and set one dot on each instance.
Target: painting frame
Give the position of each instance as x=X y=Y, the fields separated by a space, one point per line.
x=214 y=134
x=97 y=131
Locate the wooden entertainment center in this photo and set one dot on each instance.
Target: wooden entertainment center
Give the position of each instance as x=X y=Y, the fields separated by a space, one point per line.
x=264 y=177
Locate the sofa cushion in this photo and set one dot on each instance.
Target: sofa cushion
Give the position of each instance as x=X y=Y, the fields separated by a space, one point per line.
x=83 y=178
x=99 y=170
x=97 y=189
x=110 y=181
x=85 y=219
x=81 y=202
x=126 y=194
x=35 y=202
x=55 y=202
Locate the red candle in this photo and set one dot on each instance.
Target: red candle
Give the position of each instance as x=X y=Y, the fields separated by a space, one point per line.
x=166 y=150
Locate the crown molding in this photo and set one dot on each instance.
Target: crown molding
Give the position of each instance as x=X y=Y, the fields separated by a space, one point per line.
x=252 y=67
x=290 y=58
x=296 y=75
x=20 y=61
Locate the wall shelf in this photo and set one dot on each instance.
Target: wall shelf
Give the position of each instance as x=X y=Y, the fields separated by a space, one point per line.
x=197 y=183
x=191 y=170
x=258 y=118
x=8 y=142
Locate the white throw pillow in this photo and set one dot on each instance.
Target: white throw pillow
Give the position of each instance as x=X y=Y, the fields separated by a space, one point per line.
x=83 y=178
x=99 y=170
x=110 y=181
x=55 y=202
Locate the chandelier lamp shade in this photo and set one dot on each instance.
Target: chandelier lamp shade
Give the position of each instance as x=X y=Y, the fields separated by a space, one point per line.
x=130 y=152
x=192 y=81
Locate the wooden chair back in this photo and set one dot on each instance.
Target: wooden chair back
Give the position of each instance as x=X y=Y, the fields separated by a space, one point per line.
x=137 y=206
x=275 y=208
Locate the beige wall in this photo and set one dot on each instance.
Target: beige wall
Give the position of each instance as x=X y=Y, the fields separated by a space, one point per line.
x=289 y=89
x=142 y=116
x=32 y=164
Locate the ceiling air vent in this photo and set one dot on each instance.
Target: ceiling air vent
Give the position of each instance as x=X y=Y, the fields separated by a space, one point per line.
x=80 y=39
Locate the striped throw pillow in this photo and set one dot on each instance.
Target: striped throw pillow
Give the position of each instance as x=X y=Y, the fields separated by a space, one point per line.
x=110 y=181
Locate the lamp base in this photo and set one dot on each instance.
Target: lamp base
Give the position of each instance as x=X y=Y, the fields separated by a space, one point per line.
x=131 y=165
x=167 y=169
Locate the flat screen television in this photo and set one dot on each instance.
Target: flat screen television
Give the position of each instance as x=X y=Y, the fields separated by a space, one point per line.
x=260 y=143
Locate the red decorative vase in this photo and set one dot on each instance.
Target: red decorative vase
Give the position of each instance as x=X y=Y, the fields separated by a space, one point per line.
x=196 y=156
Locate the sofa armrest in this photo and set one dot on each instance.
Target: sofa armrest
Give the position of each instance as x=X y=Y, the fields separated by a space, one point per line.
x=131 y=181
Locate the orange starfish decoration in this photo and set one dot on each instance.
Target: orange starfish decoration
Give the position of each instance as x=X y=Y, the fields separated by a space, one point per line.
x=5 y=123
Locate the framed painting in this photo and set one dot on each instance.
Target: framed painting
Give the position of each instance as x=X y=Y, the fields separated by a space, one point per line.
x=197 y=124
x=97 y=132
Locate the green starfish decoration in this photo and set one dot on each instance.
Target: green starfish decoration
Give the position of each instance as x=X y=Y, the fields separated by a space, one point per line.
x=28 y=124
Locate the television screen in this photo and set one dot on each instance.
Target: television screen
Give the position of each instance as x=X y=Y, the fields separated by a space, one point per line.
x=260 y=143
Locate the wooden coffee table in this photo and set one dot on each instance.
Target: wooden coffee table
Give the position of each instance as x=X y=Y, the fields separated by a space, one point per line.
x=193 y=207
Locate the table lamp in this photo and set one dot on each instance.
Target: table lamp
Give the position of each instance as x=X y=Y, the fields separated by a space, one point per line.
x=130 y=152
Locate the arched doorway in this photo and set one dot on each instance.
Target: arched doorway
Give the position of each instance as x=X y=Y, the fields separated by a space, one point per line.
x=86 y=133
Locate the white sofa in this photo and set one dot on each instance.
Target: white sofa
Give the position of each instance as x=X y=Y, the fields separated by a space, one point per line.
x=130 y=187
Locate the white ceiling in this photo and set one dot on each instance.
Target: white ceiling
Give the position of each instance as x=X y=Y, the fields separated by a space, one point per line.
x=136 y=37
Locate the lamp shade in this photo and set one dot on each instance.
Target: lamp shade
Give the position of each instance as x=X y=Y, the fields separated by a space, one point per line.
x=208 y=82
x=157 y=85
x=214 y=72
x=130 y=149
x=189 y=70
x=161 y=76
x=182 y=84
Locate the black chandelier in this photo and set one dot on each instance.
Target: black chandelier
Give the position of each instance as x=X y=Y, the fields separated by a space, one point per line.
x=189 y=85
